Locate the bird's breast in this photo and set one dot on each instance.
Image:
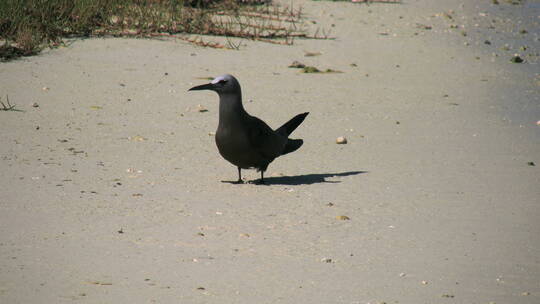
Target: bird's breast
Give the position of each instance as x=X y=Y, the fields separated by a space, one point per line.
x=231 y=141
x=234 y=146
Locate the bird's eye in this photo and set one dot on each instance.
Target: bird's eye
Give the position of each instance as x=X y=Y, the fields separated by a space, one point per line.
x=222 y=81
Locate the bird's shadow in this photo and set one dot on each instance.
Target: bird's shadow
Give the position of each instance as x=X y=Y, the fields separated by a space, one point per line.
x=307 y=179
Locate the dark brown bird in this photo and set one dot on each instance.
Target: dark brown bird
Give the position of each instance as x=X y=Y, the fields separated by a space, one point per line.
x=244 y=140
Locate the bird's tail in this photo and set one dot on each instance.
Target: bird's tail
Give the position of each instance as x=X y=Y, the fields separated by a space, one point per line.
x=292 y=145
x=290 y=126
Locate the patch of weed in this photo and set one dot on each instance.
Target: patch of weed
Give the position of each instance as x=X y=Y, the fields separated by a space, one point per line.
x=27 y=26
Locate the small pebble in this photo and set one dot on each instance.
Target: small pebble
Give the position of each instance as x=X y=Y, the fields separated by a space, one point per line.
x=343 y=217
x=297 y=65
x=311 y=54
x=424 y=282
x=136 y=138
x=326 y=260
x=532 y=164
x=35 y=105
x=516 y=59
x=201 y=109
x=341 y=140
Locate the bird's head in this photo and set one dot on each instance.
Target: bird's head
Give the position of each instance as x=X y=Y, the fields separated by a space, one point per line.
x=222 y=85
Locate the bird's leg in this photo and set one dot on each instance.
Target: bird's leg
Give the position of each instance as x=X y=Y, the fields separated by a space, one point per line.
x=261 y=181
x=239 y=181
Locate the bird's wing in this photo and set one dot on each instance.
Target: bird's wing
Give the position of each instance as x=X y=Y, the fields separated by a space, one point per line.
x=265 y=140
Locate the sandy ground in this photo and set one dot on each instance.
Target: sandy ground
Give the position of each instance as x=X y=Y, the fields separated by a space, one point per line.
x=111 y=189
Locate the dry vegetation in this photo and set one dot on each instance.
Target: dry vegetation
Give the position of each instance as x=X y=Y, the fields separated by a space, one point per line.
x=26 y=26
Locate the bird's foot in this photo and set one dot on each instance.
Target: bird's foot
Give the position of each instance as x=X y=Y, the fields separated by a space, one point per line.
x=238 y=182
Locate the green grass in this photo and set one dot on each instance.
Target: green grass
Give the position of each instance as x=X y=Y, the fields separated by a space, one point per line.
x=27 y=26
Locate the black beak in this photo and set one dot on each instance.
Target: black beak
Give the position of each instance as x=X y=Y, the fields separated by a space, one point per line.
x=208 y=86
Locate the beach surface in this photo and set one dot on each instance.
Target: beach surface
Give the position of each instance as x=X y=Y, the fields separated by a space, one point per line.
x=111 y=183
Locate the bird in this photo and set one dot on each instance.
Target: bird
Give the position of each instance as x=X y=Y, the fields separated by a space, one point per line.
x=244 y=140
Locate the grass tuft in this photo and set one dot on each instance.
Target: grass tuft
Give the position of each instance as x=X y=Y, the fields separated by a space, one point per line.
x=27 y=26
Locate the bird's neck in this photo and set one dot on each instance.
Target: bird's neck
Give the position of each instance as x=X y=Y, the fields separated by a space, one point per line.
x=230 y=108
